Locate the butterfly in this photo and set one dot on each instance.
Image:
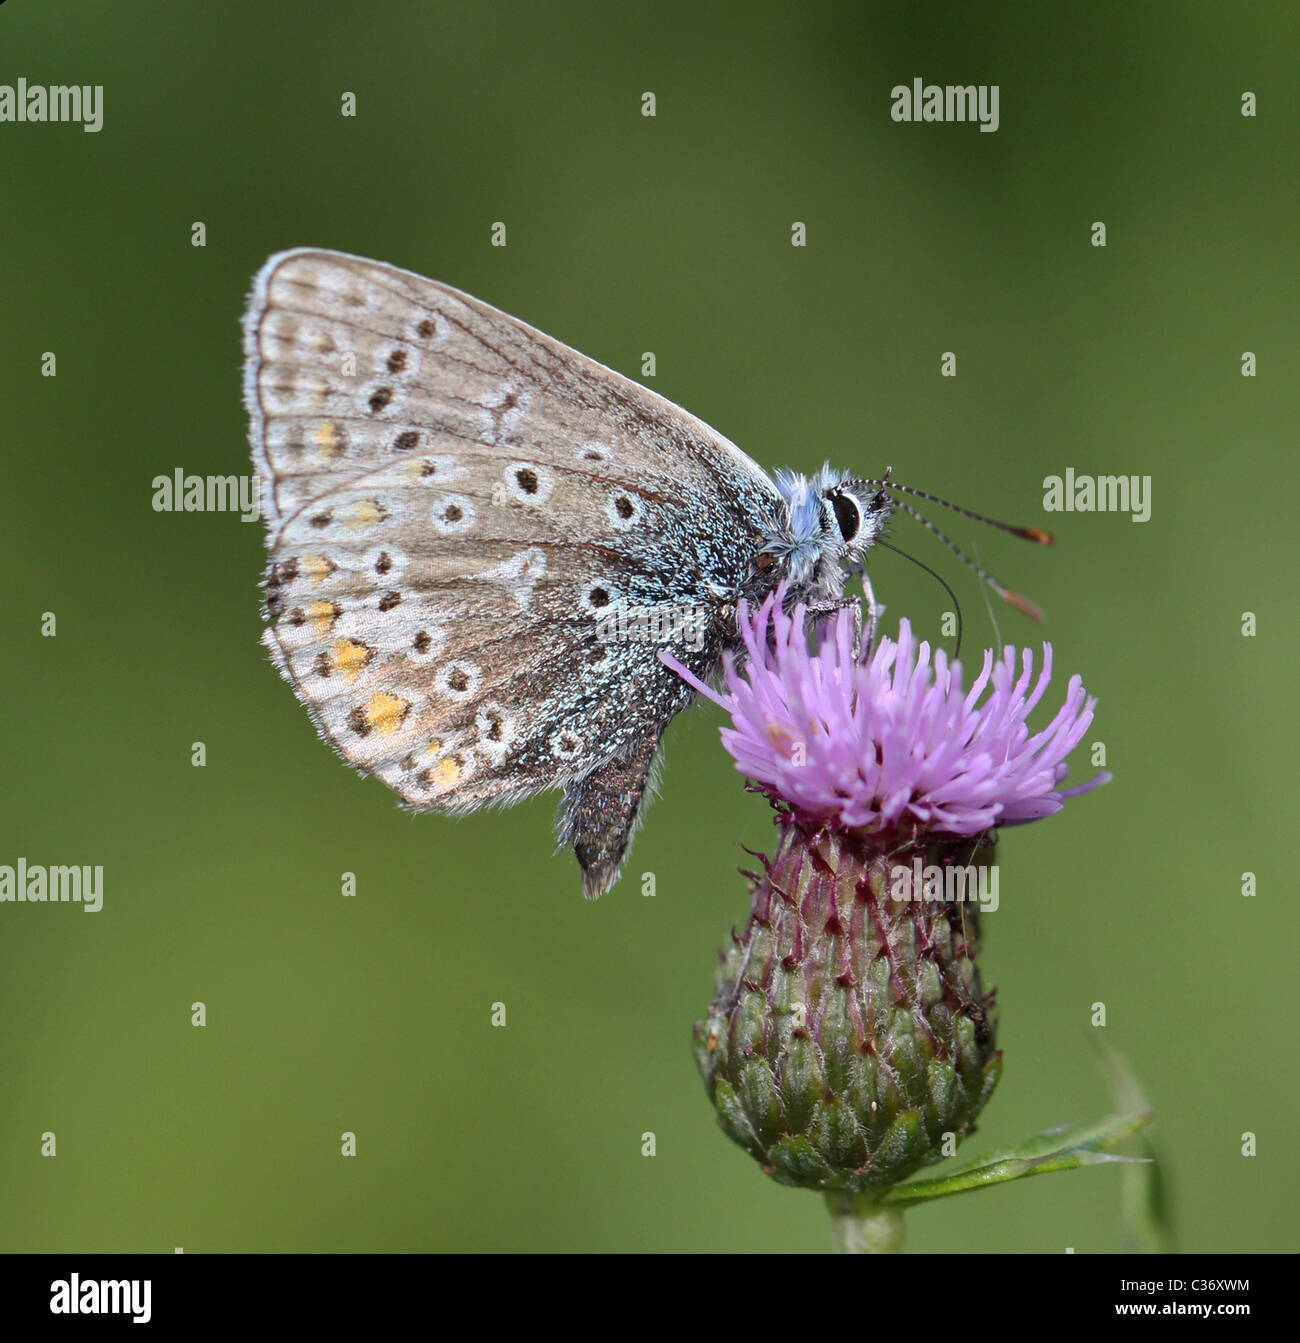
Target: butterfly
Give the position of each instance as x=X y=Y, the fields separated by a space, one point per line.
x=480 y=541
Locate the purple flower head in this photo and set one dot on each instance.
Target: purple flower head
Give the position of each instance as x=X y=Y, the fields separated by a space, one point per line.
x=892 y=739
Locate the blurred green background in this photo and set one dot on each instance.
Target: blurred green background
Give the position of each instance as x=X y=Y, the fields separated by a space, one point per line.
x=628 y=234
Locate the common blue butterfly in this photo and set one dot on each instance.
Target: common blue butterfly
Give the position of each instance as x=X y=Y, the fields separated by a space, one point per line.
x=480 y=539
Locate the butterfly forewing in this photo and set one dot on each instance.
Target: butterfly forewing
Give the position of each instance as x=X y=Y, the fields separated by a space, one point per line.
x=456 y=506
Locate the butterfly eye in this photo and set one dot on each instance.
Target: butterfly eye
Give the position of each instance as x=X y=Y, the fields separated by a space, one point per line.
x=847 y=514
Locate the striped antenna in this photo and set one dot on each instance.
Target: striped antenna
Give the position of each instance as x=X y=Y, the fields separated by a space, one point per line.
x=1037 y=534
x=1030 y=533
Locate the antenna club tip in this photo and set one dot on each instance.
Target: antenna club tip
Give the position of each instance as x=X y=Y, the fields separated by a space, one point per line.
x=1039 y=534
x=1023 y=604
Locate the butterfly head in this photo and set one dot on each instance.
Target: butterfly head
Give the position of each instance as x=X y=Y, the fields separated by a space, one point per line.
x=832 y=520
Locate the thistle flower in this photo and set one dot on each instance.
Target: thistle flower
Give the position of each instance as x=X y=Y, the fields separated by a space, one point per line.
x=850 y=1041
x=893 y=740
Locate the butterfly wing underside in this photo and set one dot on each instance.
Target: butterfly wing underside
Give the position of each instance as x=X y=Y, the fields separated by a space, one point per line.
x=457 y=505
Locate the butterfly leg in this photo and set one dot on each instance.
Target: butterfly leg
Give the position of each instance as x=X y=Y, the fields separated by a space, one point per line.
x=600 y=813
x=823 y=612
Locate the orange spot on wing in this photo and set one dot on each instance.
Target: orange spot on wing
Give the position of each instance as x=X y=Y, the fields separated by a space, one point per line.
x=351 y=657
x=316 y=567
x=322 y=614
x=385 y=713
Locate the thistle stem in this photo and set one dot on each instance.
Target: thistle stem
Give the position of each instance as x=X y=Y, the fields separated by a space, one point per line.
x=862 y=1226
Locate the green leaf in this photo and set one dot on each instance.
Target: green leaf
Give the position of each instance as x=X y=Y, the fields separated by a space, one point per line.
x=1064 y=1148
x=1148 y=1223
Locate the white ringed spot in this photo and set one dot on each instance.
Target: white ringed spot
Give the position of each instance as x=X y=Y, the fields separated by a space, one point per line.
x=394 y=359
x=384 y=563
x=458 y=681
x=624 y=510
x=529 y=482
x=453 y=514
x=431 y=330
x=381 y=398
x=566 y=744
x=427 y=642
x=497 y=730
x=598 y=597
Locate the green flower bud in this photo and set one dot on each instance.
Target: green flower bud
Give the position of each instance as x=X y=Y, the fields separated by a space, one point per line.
x=850 y=1041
